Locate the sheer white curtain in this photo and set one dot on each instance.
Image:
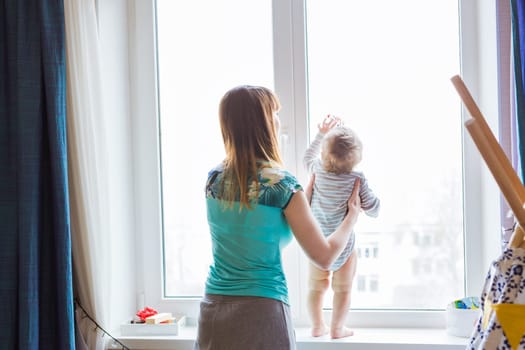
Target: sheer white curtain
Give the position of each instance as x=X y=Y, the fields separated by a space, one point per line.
x=87 y=139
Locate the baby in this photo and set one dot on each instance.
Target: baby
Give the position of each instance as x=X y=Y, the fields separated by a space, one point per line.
x=334 y=178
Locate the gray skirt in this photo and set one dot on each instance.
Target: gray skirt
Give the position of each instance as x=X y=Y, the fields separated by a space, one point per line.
x=244 y=323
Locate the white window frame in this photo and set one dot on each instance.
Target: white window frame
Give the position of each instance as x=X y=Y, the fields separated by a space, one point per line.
x=479 y=70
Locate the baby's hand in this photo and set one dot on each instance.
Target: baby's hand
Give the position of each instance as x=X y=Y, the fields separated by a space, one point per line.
x=329 y=122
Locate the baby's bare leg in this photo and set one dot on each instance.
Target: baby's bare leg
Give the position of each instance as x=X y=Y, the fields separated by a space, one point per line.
x=342 y=286
x=318 y=285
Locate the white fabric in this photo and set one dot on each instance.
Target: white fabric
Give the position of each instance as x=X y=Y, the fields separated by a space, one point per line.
x=88 y=178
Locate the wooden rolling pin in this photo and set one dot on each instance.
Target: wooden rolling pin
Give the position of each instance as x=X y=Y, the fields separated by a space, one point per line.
x=508 y=181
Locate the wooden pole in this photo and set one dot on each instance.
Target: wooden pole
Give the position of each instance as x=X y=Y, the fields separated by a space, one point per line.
x=503 y=161
x=508 y=181
x=502 y=177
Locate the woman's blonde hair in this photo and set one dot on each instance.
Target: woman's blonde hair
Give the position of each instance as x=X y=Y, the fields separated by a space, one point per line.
x=342 y=150
x=249 y=130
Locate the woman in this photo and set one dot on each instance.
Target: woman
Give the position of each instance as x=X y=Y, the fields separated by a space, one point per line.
x=254 y=206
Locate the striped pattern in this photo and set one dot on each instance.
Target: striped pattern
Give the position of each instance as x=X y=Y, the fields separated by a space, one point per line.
x=330 y=196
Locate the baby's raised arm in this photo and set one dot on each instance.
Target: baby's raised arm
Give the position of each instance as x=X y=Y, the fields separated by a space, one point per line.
x=312 y=151
x=329 y=122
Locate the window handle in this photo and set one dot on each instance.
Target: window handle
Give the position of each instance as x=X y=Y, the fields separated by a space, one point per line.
x=283 y=143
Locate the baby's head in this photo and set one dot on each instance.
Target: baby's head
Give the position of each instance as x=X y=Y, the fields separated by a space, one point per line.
x=342 y=150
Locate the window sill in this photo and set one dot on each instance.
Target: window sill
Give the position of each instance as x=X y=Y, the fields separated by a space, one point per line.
x=364 y=339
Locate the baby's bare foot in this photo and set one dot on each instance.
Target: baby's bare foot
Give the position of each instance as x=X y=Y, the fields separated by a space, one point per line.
x=320 y=330
x=336 y=333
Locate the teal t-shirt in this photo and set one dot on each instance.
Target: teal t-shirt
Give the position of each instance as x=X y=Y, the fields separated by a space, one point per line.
x=247 y=244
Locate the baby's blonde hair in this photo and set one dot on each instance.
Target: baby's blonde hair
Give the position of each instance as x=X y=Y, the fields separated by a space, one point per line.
x=342 y=150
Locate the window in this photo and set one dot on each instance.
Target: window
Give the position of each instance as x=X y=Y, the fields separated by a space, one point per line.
x=380 y=75
x=195 y=67
x=386 y=75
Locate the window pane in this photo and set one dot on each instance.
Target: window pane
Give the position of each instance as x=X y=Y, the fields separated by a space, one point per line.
x=204 y=49
x=385 y=68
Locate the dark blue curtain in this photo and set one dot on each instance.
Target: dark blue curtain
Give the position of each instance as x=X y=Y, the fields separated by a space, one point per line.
x=518 y=42
x=36 y=299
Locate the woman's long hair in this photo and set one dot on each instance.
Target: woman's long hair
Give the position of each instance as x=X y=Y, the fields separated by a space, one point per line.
x=249 y=129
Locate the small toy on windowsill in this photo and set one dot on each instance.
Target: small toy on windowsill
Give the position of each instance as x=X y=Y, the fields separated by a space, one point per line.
x=160 y=318
x=149 y=321
x=145 y=313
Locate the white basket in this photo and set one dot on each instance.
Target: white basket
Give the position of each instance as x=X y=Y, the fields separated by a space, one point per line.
x=461 y=322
